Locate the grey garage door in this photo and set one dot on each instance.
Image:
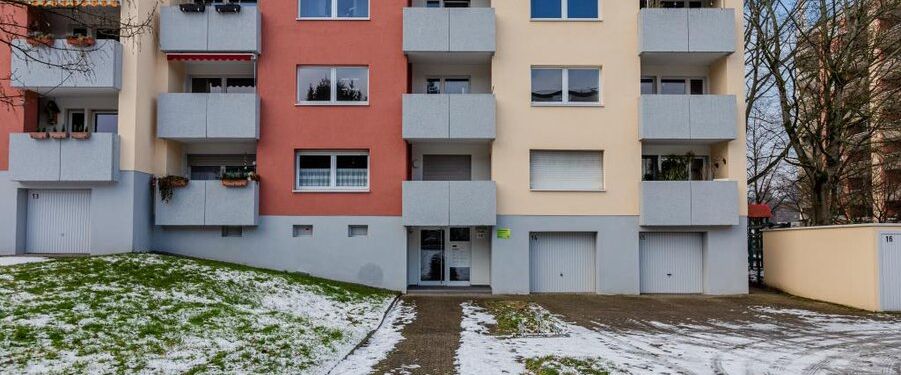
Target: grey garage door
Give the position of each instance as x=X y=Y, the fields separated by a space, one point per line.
x=58 y=221
x=671 y=262
x=890 y=271
x=562 y=262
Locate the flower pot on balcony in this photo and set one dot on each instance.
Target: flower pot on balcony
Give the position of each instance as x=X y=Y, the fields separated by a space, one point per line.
x=81 y=41
x=235 y=183
x=167 y=185
x=192 y=8
x=39 y=135
x=228 y=8
x=80 y=135
x=59 y=135
x=40 y=40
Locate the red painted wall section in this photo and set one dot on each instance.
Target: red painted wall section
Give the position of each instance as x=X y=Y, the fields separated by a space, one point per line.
x=18 y=110
x=286 y=127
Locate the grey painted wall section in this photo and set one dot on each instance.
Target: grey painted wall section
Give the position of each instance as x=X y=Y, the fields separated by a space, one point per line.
x=199 y=117
x=119 y=213
x=679 y=203
x=449 y=30
x=66 y=67
x=444 y=203
x=378 y=259
x=208 y=203
x=688 y=118
x=708 y=30
x=210 y=31
x=467 y=117
x=95 y=159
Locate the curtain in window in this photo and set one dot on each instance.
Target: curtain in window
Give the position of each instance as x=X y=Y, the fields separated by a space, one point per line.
x=313 y=176
x=352 y=177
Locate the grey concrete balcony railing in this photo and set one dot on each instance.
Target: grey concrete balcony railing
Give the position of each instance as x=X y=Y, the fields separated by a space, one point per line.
x=208 y=203
x=199 y=117
x=65 y=69
x=443 y=203
x=689 y=203
x=95 y=159
x=688 y=118
x=443 y=32
x=699 y=31
x=209 y=31
x=466 y=117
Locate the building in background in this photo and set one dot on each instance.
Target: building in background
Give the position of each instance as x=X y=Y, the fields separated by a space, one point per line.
x=561 y=146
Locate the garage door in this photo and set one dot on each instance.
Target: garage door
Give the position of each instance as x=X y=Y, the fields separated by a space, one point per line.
x=562 y=262
x=58 y=221
x=890 y=271
x=671 y=262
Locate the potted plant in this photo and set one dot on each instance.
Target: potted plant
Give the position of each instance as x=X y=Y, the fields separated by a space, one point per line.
x=238 y=178
x=80 y=40
x=40 y=134
x=168 y=184
x=79 y=131
x=39 y=39
x=58 y=135
x=80 y=135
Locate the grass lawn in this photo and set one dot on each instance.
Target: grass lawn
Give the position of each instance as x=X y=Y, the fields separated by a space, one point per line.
x=143 y=313
x=521 y=319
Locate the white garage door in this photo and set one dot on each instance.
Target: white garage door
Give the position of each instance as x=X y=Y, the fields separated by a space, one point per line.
x=562 y=262
x=890 y=271
x=671 y=262
x=58 y=221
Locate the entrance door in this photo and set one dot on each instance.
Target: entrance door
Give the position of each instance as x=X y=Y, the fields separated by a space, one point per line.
x=431 y=256
x=459 y=258
x=58 y=221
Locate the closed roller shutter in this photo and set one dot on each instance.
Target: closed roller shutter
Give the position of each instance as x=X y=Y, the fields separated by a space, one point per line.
x=447 y=168
x=58 y=221
x=562 y=262
x=671 y=262
x=566 y=170
x=890 y=271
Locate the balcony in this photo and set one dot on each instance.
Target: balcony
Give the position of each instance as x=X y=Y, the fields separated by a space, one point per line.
x=466 y=117
x=208 y=203
x=444 y=203
x=688 y=118
x=95 y=159
x=201 y=117
x=695 y=35
x=64 y=69
x=689 y=203
x=209 y=30
x=449 y=35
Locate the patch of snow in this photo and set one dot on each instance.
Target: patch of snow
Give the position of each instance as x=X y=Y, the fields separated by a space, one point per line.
x=822 y=343
x=380 y=344
x=11 y=261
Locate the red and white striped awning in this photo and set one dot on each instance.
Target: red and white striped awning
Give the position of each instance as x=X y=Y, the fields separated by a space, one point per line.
x=75 y=3
x=209 y=56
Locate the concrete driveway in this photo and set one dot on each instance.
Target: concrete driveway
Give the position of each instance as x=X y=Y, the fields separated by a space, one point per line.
x=764 y=332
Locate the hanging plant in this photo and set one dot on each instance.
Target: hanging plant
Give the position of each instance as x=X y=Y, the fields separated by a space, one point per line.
x=167 y=185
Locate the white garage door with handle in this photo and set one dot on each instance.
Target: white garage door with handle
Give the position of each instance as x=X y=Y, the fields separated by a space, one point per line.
x=58 y=222
x=890 y=271
x=671 y=262
x=562 y=262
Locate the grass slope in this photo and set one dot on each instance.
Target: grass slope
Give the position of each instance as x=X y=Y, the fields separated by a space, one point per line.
x=163 y=314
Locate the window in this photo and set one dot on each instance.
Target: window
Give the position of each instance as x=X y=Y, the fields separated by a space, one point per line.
x=566 y=170
x=446 y=168
x=213 y=167
x=318 y=85
x=334 y=9
x=565 y=9
x=447 y=86
x=232 y=232
x=303 y=231
x=106 y=122
x=332 y=171
x=682 y=86
x=582 y=86
x=648 y=86
x=77 y=121
x=447 y=4
x=675 y=168
x=357 y=230
x=213 y=85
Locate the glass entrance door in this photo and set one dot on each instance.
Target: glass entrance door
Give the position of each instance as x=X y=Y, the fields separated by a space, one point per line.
x=431 y=256
x=459 y=257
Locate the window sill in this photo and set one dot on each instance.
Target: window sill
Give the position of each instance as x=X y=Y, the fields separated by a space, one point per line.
x=333 y=19
x=569 y=190
x=589 y=105
x=326 y=190
x=332 y=104
x=566 y=19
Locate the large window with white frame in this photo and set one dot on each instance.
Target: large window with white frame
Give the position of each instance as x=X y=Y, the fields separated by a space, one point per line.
x=341 y=171
x=342 y=85
x=565 y=9
x=566 y=86
x=333 y=9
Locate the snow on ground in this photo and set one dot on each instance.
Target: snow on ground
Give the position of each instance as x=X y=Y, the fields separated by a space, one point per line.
x=380 y=344
x=11 y=261
x=814 y=343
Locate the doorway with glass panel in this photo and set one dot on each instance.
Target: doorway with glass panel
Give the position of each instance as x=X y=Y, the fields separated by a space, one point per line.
x=445 y=256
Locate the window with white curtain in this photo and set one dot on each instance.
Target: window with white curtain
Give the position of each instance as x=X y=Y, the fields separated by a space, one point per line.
x=332 y=171
x=566 y=170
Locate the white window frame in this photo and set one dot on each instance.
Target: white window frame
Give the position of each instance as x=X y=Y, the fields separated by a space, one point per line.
x=564 y=17
x=443 y=82
x=333 y=173
x=602 y=189
x=565 y=77
x=333 y=76
x=334 y=16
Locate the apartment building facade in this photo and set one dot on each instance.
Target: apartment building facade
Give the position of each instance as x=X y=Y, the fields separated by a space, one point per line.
x=586 y=146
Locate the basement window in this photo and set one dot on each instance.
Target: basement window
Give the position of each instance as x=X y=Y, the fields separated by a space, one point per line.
x=357 y=230
x=230 y=231
x=303 y=231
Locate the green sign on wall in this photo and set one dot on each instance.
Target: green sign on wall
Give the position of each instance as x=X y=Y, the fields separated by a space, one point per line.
x=503 y=233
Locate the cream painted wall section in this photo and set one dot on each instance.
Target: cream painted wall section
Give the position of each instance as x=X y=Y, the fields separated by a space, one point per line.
x=611 y=44
x=833 y=264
